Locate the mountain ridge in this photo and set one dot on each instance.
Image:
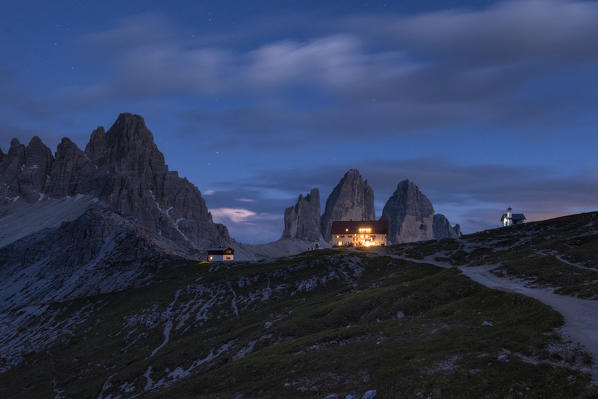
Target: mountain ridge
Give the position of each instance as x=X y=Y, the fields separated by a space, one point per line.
x=114 y=212
x=121 y=167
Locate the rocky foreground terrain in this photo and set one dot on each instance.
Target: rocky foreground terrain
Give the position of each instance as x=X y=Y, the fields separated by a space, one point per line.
x=402 y=322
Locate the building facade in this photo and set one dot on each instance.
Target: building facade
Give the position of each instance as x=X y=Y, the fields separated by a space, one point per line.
x=221 y=254
x=511 y=219
x=368 y=233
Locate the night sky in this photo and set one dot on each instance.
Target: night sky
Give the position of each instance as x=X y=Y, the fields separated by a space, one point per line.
x=483 y=104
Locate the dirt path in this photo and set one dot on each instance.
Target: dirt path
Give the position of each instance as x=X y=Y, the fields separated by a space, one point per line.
x=581 y=315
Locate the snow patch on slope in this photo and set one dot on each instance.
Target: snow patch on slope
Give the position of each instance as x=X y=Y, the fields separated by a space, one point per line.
x=25 y=218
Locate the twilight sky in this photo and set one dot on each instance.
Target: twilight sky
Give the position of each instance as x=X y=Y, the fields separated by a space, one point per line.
x=483 y=104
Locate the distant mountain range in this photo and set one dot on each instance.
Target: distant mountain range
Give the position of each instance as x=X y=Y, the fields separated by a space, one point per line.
x=98 y=298
x=96 y=220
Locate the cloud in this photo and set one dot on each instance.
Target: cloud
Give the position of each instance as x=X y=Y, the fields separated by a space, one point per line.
x=504 y=33
x=515 y=65
x=14 y=99
x=133 y=32
x=209 y=192
x=266 y=223
x=168 y=66
x=336 y=62
x=248 y=226
x=235 y=215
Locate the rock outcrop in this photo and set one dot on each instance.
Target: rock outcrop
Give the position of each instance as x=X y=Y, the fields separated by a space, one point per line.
x=302 y=221
x=35 y=171
x=24 y=170
x=72 y=172
x=122 y=168
x=10 y=169
x=410 y=216
x=351 y=199
x=443 y=229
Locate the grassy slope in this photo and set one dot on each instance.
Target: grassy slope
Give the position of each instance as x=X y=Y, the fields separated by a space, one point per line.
x=401 y=328
x=560 y=253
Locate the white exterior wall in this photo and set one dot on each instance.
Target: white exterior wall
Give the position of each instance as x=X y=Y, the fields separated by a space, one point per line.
x=509 y=222
x=341 y=240
x=220 y=258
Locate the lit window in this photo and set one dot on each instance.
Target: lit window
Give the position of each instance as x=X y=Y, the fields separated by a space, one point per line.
x=340 y=243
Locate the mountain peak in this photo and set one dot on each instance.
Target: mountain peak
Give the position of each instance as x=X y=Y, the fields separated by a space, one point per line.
x=35 y=141
x=66 y=143
x=128 y=133
x=407 y=184
x=410 y=216
x=127 y=123
x=125 y=171
x=351 y=199
x=129 y=117
x=302 y=221
x=96 y=147
x=352 y=173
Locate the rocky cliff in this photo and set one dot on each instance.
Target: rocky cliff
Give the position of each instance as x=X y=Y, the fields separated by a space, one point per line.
x=102 y=210
x=351 y=199
x=443 y=229
x=24 y=171
x=302 y=221
x=410 y=216
x=124 y=169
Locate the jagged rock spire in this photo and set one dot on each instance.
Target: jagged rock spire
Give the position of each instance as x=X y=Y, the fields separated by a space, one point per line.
x=35 y=171
x=351 y=199
x=410 y=216
x=124 y=169
x=302 y=221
